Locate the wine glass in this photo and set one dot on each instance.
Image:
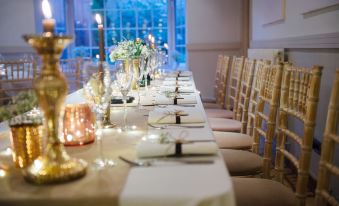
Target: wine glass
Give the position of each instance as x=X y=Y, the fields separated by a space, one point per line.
x=140 y=79
x=124 y=77
x=98 y=93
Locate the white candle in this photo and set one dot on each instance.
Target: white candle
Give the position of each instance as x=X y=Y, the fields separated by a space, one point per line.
x=48 y=23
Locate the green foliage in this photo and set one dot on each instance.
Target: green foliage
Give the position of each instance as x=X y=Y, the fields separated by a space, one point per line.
x=21 y=103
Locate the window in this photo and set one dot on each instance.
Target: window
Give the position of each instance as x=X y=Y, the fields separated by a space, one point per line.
x=123 y=19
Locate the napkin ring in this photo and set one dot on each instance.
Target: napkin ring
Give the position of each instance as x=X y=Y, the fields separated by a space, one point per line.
x=175 y=100
x=178 y=148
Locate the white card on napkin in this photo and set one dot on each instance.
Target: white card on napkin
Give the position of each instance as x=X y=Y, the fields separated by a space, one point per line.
x=167 y=116
x=155 y=149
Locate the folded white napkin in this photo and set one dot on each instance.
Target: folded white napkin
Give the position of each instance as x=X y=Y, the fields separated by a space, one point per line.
x=185 y=74
x=180 y=74
x=174 y=83
x=181 y=99
x=179 y=79
x=181 y=89
x=167 y=116
x=147 y=100
x=155 y=149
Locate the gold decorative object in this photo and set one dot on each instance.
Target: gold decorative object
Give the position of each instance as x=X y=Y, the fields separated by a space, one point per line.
x=26 y=143
x=51 y=88
x=79 y=125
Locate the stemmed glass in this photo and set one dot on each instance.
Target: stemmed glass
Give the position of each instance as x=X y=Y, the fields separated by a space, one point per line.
x=140 y=79
x=124 y=77
x=97 y=90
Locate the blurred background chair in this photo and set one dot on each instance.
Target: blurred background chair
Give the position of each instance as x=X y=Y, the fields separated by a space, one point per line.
x=16 y=76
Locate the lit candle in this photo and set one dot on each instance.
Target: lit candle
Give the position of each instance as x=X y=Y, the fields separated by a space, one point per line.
x=153 y=42
x=101 y=37
x=166 y=46
x=149 y=39
x=48 y=23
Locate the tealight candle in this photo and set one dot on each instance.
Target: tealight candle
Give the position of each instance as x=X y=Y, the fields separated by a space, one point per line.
x=48 y=23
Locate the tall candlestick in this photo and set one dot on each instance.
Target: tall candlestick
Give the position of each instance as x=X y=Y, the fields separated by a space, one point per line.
x=101 y=37
x=48 y=23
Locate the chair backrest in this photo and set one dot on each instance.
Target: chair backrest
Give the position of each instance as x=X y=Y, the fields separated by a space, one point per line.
x=245 y=93
x=327 y=167
x=16 y=76
x=220 y=63
x=222 y=83
x=234 y=83
x=254 y=98
x=71 y=70
x=265 y=116
x=299 y=99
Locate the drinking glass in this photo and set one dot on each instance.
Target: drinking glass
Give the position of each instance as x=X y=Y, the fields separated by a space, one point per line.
x=98 y=92
x=140 y=79
x=124 y=77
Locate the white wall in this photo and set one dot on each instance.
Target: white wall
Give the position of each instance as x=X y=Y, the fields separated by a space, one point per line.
x=213 y=27
x=16 y=19
x=295 y=24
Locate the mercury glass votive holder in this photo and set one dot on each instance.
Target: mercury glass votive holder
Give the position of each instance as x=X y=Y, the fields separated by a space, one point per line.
x=79 y=125
x=26 y=140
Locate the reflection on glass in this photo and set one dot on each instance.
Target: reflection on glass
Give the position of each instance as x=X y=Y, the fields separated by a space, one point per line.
x=129 y=34
x=82 y=38
x=128 y=18
x=95 y=38
x=97 y=4
x=113 y=37
x=160 y=19
x=113 y=19
x=144 y=18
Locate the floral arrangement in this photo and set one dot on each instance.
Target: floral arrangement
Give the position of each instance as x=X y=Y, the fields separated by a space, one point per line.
x=130 y=50
x=23 y=102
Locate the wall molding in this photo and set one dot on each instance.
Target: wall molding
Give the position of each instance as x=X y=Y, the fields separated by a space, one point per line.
x=330 y=40
x=15 y=49
x=214 y=46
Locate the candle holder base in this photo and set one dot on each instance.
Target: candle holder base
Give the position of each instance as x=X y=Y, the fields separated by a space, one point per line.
x=47 y=171
x=107 y=125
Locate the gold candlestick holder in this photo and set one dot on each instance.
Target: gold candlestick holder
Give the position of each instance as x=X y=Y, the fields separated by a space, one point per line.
x=55 y=165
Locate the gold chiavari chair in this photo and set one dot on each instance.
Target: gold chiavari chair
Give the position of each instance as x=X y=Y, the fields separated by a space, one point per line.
x=299 y=97
x=16 y=76
x=242 y=89
x=222 y=94
x=244 y=140
x=249 y=163
x=327 y=166
x=71 y=70
x=213 y=103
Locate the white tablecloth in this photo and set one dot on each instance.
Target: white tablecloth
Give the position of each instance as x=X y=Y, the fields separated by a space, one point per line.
x=168 y=184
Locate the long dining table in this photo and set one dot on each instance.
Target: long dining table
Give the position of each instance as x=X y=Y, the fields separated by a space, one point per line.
x=167 y=182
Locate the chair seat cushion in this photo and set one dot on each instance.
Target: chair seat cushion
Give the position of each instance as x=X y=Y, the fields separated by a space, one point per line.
x=242 y=163
x=219 y=113
x=263 y=192
x=210 y=105
x=233 y=140
x=224 y=125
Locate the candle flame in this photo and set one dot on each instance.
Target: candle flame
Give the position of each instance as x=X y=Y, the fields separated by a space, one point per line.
x=153 y=39
x=149 y=37
x=98 y=18
x=166 y=45
x=46 y=9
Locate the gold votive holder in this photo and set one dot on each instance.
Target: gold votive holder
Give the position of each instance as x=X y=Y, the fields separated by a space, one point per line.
x=79 y=125
x=26 y=140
